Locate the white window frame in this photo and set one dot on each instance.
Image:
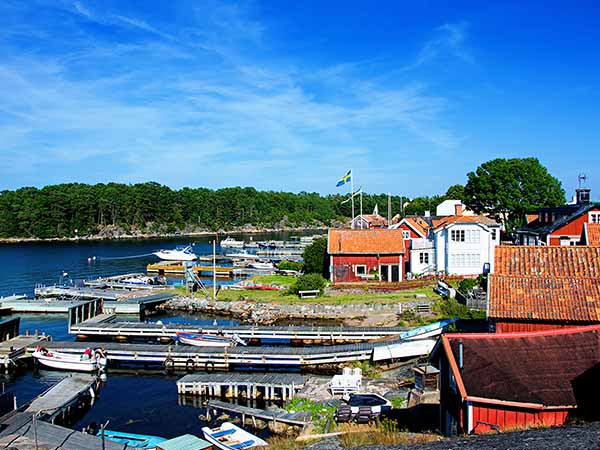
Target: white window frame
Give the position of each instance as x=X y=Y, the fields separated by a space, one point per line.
x=594 y=217
x=362 y=266
x=405 y=234
x=424 y=258
x=457 y=235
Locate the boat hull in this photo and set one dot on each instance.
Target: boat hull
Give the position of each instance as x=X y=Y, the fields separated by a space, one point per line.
x=70 y=362
x=175 y=256
x=205 y=341
x=233 y=434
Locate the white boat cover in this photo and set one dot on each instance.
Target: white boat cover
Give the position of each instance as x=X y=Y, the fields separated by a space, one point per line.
x=404 y=349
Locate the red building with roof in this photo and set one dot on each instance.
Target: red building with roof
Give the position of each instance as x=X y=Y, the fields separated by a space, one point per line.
x=538 y=288
x=591 y=234
x=362 y=255
x=494 y=382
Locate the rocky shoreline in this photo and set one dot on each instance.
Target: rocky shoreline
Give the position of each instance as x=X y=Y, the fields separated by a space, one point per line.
x=135 y=236
x=256 y=313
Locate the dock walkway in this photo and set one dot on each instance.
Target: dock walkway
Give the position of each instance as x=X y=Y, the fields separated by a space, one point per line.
x=62 y=395
x=112 y=328
x=300 y=418
x=249 y=385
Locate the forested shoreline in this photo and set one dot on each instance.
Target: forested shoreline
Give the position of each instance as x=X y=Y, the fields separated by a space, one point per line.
x=112 y=209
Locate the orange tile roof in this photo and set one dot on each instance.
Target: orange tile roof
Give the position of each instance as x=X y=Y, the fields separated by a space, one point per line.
x=534 y=260
x=374 y=219
x=376 y=241
x=418 y=224
x=530 y=217
x=547 y=298
x=447 y=220
x=593 y=234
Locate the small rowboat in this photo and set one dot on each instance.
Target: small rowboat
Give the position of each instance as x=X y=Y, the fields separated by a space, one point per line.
x=208 y=340
x=66 y=361
x=231 y=437
x=133 y=440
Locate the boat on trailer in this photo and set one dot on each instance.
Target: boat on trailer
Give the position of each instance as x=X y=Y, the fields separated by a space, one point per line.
x=132 y=440
x=67 y=361
x=208 y=340
x=180 y=253
x=231 y=437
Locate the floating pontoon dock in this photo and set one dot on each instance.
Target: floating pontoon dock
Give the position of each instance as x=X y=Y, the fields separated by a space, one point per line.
x=300 y=418
x=268 y=386
x=12 y=345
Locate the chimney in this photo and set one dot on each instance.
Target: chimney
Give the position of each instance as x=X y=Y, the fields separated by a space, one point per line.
x=427 y=214
x=583 y=196
x=458 y=209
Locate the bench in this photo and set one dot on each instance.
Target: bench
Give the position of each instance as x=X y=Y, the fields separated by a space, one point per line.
x=309 y=294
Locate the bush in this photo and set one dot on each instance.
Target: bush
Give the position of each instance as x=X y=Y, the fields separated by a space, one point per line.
x=291 y=265
x=466 y=285
x=450 y=308
x=308 y=282
x=315 y=257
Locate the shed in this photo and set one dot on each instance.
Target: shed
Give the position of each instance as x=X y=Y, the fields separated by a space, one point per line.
x=184 y=442
x=497 y=382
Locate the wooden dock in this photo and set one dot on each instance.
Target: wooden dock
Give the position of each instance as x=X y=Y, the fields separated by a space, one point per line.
x=299 y=418
x=110 y=328
x=14 y=346
x=268 y=386
x=175 y=267
x=60 y=398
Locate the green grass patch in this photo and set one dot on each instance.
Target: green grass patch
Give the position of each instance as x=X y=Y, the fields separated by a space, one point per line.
x=278 y=280
x=319 y=412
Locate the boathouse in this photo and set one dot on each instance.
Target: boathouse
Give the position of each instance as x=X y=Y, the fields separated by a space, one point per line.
x=500 y=382
x=363 y=255
x=544 y=287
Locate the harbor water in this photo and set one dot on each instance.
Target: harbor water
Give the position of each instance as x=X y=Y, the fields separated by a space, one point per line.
x=133 y=402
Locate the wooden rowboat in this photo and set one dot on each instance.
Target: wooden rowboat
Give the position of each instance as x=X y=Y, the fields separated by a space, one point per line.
x=231 y=437
x=66 y=361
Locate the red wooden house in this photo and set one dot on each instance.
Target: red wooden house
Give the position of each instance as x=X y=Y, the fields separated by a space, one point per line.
x=561 y=225
x=493 y=382
x=361 y=255
x=539 y=288
x=413 y=227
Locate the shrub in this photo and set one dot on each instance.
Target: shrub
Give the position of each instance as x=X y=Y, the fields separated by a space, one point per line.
x=450 y=308
x=466 y=285
x=291 y=265
x=315 y=257
x=308 y=282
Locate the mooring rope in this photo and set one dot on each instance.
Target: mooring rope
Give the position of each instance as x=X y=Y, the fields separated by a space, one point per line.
x=106 y=258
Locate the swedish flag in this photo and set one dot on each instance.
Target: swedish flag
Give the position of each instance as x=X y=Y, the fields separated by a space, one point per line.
x=345 y=179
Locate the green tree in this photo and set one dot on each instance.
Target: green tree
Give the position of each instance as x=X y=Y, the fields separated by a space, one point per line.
x=455 y=192
x=315 y=257
x=308 y=282
x=506 y=189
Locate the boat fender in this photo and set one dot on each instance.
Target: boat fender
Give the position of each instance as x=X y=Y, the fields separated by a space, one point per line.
x=169 y=363
x=209 y=366
x=189 y=365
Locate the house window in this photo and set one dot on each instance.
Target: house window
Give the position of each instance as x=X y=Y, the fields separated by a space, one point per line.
x=360 y=269
x=594 y=217
x=457 y=235
x=424 y=258
x=405 y=234
x=472 y=236
x=493 y=234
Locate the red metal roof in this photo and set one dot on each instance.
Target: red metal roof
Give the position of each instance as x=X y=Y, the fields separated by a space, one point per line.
x=545 y=298
x=374 y=241
x=538 y=260
x=537 y=370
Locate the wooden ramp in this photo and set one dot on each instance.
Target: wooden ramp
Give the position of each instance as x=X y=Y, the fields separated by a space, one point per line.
x=62 y=395
x=300 y=418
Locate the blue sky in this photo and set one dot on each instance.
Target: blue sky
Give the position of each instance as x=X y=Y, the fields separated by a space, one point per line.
x=289 y=95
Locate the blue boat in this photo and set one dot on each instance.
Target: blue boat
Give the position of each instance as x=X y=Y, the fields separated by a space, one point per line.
x=133 y=440
x=425 y=331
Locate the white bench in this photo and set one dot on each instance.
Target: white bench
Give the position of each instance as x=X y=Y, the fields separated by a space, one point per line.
x=309 y=294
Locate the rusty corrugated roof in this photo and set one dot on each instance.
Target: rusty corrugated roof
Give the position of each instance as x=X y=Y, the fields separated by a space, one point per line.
x=375 y=241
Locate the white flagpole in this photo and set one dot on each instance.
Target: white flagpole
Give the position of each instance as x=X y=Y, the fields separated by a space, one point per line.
x=361 y=222
x=352 y=195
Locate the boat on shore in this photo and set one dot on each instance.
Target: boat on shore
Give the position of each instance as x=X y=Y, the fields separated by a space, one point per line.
x=87 y=362
x=231 y=437
x=208 y=340
x=179 y=253
x=132 y=440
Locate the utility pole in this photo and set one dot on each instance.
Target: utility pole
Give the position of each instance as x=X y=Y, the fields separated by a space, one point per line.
x=214 y=270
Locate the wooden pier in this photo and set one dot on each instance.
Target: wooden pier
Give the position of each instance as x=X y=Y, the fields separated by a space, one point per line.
x=208 y=359
x=110 y=328
x=12 y=345
x=175 y=267
x=299 y=419
x=269 y=386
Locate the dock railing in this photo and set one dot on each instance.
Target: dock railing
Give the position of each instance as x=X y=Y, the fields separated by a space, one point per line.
x=84 y=311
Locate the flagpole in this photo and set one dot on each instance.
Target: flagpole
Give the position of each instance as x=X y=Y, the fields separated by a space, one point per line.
x=361 y=222
x=352 y=194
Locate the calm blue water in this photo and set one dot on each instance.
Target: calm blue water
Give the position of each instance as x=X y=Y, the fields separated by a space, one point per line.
x=137 y=403
x=24 y=265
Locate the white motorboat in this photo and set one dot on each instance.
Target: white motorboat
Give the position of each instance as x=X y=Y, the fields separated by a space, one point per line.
x=143 y=280
x=230 y=242
x=208 y=340
x=231 y=437
x=242 y=255
x=180 y=253
x=261 y=265
x=86 y=362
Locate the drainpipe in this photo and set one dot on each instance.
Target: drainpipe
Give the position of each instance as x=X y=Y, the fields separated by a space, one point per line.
x=460 y=355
